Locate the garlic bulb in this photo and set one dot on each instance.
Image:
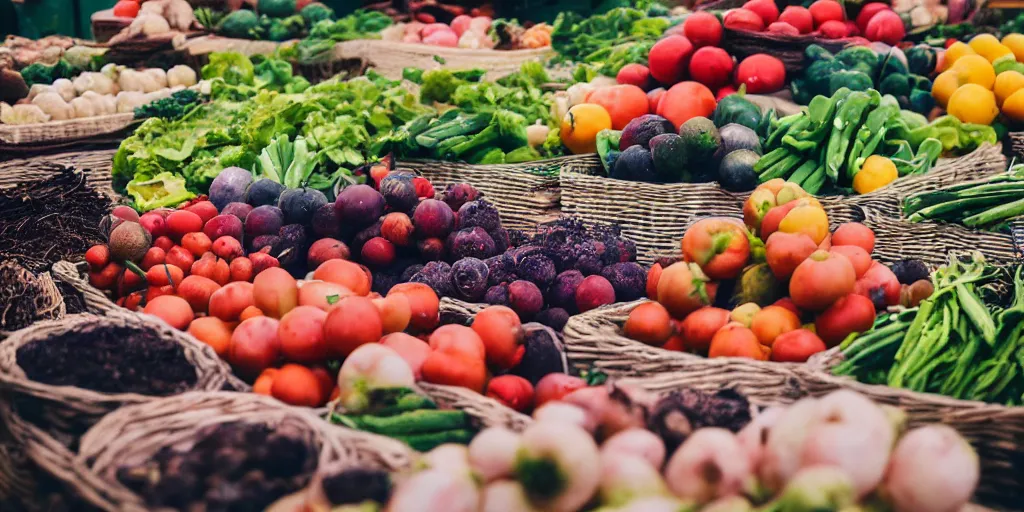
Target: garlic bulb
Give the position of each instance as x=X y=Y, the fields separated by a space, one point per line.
x=64 y=87
x=22 y=114
x=53 y=105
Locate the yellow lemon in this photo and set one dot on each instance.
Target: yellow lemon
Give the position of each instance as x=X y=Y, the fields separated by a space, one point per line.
x=954 y=52
x=1007 y=83
x=877 y=172
x=580 y=127
x=972 y=103
x=1015 y=42
x=1013 y=107
x=944 y=86
x=974 y=69
x=988 y=46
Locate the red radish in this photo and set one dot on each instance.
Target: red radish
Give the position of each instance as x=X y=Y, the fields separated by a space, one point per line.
x=833 y=29
x=826 y=10
x=442 y=38
x=851 y=29
x=761 y=73
x=635 y=74
x=781 y=27
x=744 y=19
x=703 y=29
x=766 y=9
x=869 y=11
x=654 y=97
x=887 y=27
x=554 y=386
x=711 y=66
x=461 y=24
x=669 y=58
x=687 y=100
x=724 y=91
x=433 y=27
x=799 y=17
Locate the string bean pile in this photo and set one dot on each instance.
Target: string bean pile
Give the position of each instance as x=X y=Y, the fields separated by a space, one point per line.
x=984 y=203
x=960 y=342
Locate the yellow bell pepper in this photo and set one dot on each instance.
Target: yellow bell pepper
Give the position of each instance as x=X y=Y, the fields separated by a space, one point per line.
x=877 y=172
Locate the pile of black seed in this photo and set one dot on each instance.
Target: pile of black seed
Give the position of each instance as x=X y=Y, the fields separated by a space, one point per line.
x=232 y=467
x=109 y=360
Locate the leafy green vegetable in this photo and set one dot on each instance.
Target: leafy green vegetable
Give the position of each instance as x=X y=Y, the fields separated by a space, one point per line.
x=316 y=11
x=39 y=73
x=609 y=41
x=286 y=162
x=173 y=107
x=238 y=24
x=233 y=67
x=322 y=35
x=161 y=191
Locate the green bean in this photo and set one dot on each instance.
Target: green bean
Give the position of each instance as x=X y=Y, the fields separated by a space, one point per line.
x=977 y=313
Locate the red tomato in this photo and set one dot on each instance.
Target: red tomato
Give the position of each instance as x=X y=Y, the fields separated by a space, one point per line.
x=635 y=74
x=781 y=27
x=822 y=279
x=699 y=327
x=623 y=103
x=654 y=98
x=852 y=313
x=833 y=29
x=554 y=386
x=711 y=66
x=685 y=101
x=703 y=29
x=869 y=11
x=126 y=9
x=761 y=73
x=854 y=233
x=724 y=91
x=796 y=346
x=860 y=259
x=744 y=19
x=719 y=246
x=669 y=59
x=785 y=251
x=887 y=27
x=766 y=9
x=880 y=285
x=799 y=17
x=826 y=10
x=297 y=385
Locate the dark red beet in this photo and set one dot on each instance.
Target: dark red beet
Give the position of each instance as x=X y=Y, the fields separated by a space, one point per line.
x=431 y=249
x=497 y=295
x=562 y=293
x=359 y=205
x=424 y=189
x=472 y=243
x=326 y=222
x=372 y=231
x=469 y=279
x=537 y=268
x=272 y=241
x=478 y=214
x=458 y=194
x=525 y=298
x=628 y=279
x=555 y=318
x=501 y=269
x=398 y=191
x=378 y=252
x=294 y=244
x=397 y=228
x=433 y=219
x=326 y=249
x=223 y=225
x=263 y=220
x=239 y=210
x=437 y=275
x=501 y=240
x=595 y=291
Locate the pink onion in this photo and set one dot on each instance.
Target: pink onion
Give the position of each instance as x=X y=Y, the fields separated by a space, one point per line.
x=639 y=442
x=818 y=488
x=558 y=465
x=371 y=366
x=435 y=491
x=627 y=477
x=780 y=459
x=561 y=412
x=932 y=469
x=492 y=453
x=754 y=436
x=729 y=504
x=450 y=458
x=654 y=504
x=506 y=496
x=710 y=464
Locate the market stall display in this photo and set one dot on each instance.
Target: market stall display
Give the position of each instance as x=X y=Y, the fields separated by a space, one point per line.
x=755 y=256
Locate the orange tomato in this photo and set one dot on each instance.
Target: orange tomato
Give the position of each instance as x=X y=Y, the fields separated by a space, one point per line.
x=395 y=312
x=820 y=280
x=214 y=332
x=344 y=272
x=455 y=369
x=297 y=385
x=249 y=312
x=424 y=304
x=171 y=309
x=854 y=233
x=458 y=339
x=275 y=292
x=649 y=323
x=699 y=327
x=228 y=302
x=197 y=290
x=581 y=125
x=718 y=245
x=622 y=102
x=352 y=322
x=264 y=382
x=734 y=340
x=681 y=292
x=501 y=332
x=771 y=321
x=685 y=101
x=301 y=331
x=796 y=346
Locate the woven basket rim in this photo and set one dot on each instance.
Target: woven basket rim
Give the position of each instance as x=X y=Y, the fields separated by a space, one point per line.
x=56 y=131
x=12 y=376
x=797 y=39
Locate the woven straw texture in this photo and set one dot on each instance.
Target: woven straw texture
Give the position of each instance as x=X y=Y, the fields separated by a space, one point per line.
x=655 y=216
x=135 y=433
x=14 y=136
x=66 y=411
x=95 y=301
x=525 y=194
x=390 y=58
x=788 y=49
x=594 y=340
x=95 y=165
x=1016 y=141
x=49 y=303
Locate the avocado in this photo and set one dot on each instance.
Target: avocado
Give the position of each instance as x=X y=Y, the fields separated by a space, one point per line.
x=701 y=140
x=669 y=154
x=736 y=172
x=642 y=129
x=736 y=108
x=636 y=164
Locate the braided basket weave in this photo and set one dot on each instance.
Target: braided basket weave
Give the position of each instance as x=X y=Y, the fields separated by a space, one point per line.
x=655 y=216
x=789 y=49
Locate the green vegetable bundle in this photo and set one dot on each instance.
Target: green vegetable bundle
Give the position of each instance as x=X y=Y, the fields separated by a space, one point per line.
x=825 y=146
x=324 y=33
x=411 y=418
x=173 y=107
x=984 y=203
x=611 y=40
x=960 y=342
x=859 y=68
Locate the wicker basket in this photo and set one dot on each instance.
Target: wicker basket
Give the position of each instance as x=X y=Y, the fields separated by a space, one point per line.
x=135 y=433
x=105 y=25
x=95 y=301
x=32 y=137
x=655 y=216
x=94 y=164
x=1016 y=143
x=788 y=49
x=390 y=58
x=525 y=194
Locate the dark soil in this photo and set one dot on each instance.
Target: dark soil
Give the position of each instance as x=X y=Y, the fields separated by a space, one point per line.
x=232 y=467
x=109 y=360
x=45 y=221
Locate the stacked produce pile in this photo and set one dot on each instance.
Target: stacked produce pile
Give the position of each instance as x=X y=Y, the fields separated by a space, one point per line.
x=619 y=449
x=794 y=289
